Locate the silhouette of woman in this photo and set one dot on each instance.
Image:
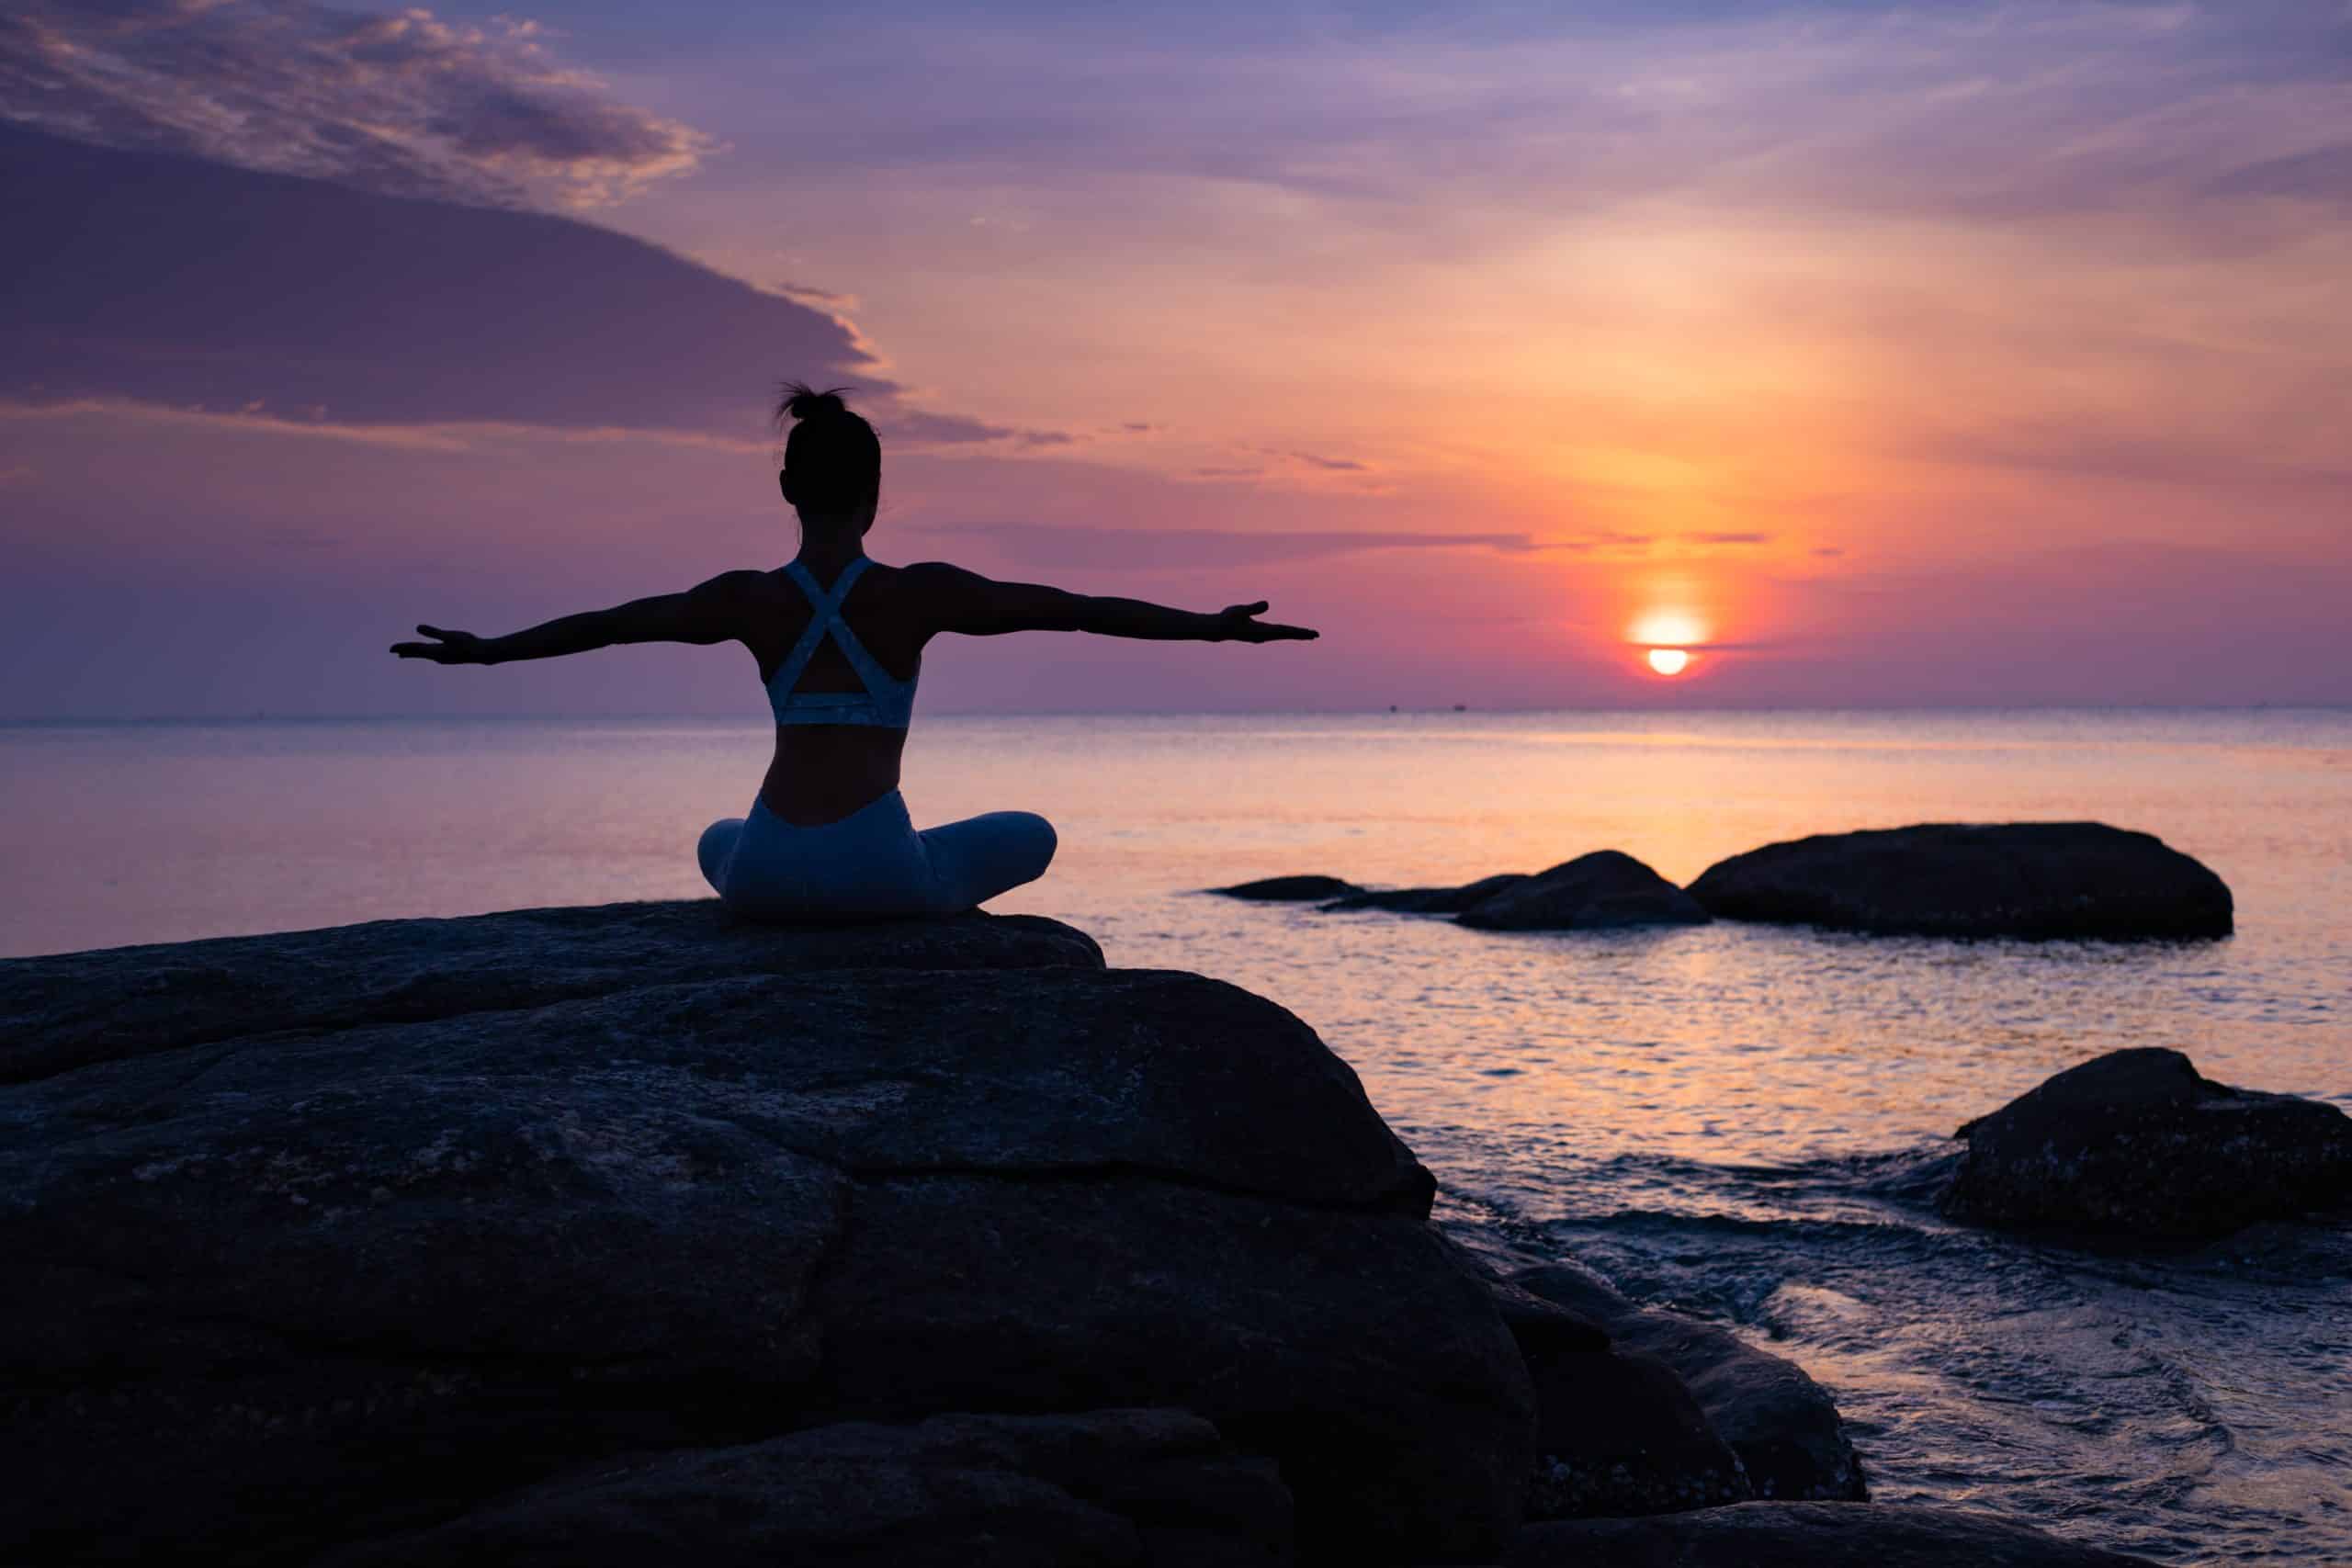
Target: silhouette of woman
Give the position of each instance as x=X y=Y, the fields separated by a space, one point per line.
x=839 y=638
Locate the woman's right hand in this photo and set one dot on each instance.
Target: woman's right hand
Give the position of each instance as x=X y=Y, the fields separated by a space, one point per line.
x=1240 y=623
x=447 y=648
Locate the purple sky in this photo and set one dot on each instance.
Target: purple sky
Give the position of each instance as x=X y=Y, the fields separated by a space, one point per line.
x=1951 y=355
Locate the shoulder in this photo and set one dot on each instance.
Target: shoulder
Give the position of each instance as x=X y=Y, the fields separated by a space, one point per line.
x=722 y=607
x=939 y=581
x=731 y=585
x=940 y=573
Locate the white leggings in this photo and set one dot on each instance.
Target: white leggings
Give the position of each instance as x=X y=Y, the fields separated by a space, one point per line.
x=872 y=863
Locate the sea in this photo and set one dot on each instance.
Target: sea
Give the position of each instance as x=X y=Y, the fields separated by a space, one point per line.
x=1746 y=1124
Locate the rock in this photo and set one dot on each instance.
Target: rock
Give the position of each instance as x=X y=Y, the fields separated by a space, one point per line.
x=78 y=1007
x=1429 y=900
x=1230 y=1305
x=1151 y=1488
x=2017 y=879
x=1805 y=1535
x=2137 y=1145
x=1619 y=1434
x=301 y=1278
x=1289 y=889
x=1601 y=891
x=1780 y=1423
x=1540 y=1326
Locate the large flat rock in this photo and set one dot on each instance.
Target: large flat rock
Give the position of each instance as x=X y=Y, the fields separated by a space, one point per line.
x=297 y=1269
x=2137 y=1145
x=2017 y=879
x=77 y=1008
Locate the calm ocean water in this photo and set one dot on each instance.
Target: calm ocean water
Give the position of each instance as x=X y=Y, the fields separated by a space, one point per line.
x=1742 y=1122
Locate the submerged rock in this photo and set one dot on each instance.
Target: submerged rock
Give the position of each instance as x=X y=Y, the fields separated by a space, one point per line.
x=2018 y=879
x=323 y=1254
x=1780 y=1423
x=1429 y=900
x=1601 y=891
x=2137 y=1145
x=1805 y=1535
x=1150 y=1488
x=1290 y=890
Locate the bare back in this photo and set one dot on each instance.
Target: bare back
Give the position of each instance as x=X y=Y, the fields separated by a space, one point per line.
x=822 y=773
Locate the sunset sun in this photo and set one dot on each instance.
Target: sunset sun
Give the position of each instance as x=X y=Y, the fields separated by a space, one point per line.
x=1670 y=660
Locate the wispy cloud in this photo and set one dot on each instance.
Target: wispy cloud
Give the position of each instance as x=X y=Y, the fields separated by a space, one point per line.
x=404 y=103
x=1329 y=465
x=2086 y=449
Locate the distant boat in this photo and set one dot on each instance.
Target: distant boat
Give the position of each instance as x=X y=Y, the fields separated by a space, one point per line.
x=1462 y=707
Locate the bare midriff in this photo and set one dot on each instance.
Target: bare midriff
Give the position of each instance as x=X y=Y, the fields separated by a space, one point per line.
x=822 y=773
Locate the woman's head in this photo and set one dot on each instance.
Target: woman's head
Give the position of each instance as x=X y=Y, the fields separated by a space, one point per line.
x=832 y=462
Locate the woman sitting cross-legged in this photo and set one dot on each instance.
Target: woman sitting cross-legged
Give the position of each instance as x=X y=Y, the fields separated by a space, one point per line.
x=840 y=639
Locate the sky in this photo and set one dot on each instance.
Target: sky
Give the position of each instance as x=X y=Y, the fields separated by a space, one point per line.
x=1882 y=355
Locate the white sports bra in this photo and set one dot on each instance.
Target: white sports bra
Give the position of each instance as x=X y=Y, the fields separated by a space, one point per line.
x=887 y=703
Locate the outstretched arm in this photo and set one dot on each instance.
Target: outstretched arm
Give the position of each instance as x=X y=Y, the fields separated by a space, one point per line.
x=977 y=606
x=706 y=613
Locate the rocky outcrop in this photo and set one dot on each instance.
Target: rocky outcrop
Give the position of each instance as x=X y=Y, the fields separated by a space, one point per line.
x=1602 y=891
x=2136 y=1145
x=453 y=1226
x=1108 y=1489
x=2020 y=879
x=1429 y=900
x=75 y=1008
x=1780 y=1423
x=1805 y=1535
x=1619 y=1434
x=1289 y=889
x=1614 y=1433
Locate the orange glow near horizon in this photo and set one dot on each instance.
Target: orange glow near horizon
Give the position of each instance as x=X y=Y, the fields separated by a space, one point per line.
x=1667 y=629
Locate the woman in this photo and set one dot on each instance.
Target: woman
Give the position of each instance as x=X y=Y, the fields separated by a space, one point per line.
x=838 y=639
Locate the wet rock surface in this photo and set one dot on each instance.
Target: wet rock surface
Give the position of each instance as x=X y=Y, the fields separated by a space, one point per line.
x=1429 y=900
x=1289 y=889
x=2023 y=879
x=1606 y=890
x=1619 y=1434
x=2136 y=1145
x=339 y=1248
x=1783 y=1425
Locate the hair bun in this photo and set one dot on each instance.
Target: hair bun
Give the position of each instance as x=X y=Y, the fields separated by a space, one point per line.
x=800 y=400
